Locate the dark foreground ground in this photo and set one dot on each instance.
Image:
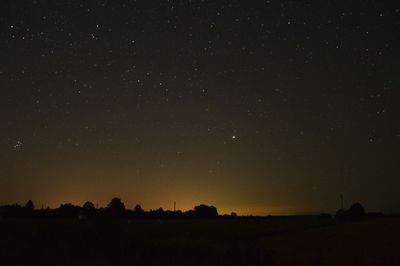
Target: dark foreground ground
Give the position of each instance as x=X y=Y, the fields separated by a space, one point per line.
x=240 y=241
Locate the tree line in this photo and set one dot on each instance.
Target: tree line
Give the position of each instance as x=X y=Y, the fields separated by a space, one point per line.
x=116 y=208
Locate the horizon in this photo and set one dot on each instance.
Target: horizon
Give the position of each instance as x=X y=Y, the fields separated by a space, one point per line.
x=128 y=206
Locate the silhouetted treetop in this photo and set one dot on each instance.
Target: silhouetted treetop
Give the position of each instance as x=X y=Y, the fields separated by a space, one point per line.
x=138 y=209
x=355 y=212
x=205 y=211
x=116 y=205
x=29 y=205
x=68 y=210
x=88 y=206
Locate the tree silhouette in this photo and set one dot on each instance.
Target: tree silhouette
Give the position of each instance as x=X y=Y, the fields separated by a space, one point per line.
x=159 y=213
x=88 y=206
x=205 y=211
x=116 y=206
x=29 y=205
x=68 y=210
x=138 y=211
x=356 y=211
x=88 y=209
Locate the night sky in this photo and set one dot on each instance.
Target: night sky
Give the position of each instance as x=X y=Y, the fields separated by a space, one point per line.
x=258 y=107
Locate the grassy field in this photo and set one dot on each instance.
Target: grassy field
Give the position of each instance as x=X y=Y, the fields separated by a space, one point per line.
x=373 y=242
x=241 y=241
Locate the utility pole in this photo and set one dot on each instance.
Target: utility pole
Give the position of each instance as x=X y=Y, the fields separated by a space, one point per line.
x=174 y=206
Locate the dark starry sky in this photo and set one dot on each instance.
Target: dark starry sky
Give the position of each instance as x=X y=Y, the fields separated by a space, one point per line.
x=262 y=107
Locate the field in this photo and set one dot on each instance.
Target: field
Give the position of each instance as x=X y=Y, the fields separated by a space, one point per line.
x=239 y=241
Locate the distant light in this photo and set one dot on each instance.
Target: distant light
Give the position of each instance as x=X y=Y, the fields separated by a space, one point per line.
x=234 y=137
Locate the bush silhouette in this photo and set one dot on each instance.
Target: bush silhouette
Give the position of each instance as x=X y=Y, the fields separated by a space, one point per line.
x=205 y=211
x=355 y=212
x=68 y=210
x=88 y=206
x=29 y=205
